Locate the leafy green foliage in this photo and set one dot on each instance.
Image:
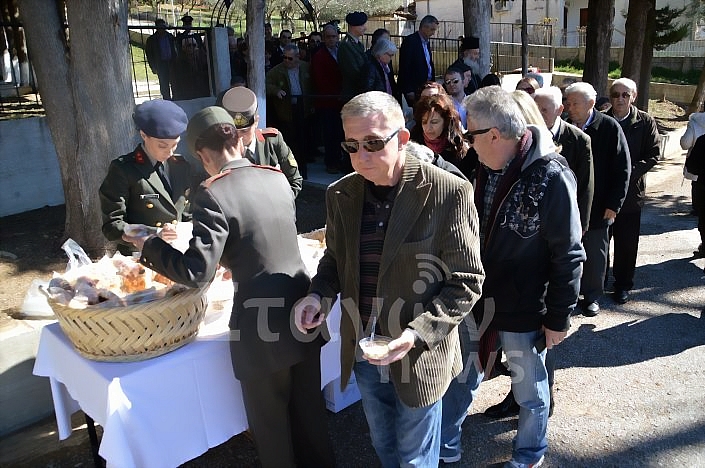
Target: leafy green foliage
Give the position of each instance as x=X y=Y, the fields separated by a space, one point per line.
x=667 y=31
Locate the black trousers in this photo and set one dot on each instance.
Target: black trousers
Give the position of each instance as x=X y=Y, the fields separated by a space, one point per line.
x=332 y=127
x=625 y=234
x=164 y=75
x=287 y=417
x=699 y=207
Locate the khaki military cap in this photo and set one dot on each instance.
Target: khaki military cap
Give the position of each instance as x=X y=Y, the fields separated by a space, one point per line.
x=241 y=104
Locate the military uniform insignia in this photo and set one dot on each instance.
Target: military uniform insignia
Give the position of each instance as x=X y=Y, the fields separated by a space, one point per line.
x=140 y=157
x=240 y=119
x=292 y=160
x=267 y=167
x=207 y=183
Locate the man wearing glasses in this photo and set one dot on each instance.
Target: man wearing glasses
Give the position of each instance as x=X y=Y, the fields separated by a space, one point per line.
x=402 y=251
x=454 y=85
x=288 y=91
x=644 y=150
x=530 y=234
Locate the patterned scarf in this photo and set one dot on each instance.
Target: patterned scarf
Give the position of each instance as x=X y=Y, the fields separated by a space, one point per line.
x=436 y=144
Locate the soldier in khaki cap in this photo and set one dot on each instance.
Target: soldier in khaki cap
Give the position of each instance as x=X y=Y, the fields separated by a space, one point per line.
x=265 y=146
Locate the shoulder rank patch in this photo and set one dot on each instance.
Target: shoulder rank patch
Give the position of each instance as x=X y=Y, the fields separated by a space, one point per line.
x=271 y=168
x=207 y=183
x=266 y=132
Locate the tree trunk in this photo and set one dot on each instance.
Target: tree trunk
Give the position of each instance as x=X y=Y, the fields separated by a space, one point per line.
x=87 y=94
x=597 y=44
x=647 y=56
x=635 y=27
x=524 y=40
x=477 y=15
x=696 y=105
x=255 y=72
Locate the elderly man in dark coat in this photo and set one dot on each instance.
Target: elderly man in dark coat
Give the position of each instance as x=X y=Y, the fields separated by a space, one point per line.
x=612 y=167
x=644 y=150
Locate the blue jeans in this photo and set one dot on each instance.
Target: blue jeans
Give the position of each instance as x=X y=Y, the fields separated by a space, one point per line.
x=462 y=390
x=401 y=435
x=530 y=388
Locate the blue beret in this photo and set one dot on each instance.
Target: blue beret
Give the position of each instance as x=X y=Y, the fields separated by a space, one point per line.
x=160 y=119
x=356 y=18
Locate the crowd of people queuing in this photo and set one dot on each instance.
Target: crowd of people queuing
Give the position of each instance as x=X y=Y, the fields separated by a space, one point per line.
x=484 y=184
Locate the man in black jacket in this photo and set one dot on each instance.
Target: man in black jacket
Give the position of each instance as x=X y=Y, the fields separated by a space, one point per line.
x=416 y=59
x=643 y=140
x=612 y=167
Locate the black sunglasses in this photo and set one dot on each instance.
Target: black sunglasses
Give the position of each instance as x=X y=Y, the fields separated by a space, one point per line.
x=616 y=95
x=470 y=134
x=450 y=82
x=288 y=58
x=371 y=146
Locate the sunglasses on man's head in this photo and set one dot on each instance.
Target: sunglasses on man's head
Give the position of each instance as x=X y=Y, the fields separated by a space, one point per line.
x=616 y=95
x=450 y=82
x=371 y=146
x=470 y=134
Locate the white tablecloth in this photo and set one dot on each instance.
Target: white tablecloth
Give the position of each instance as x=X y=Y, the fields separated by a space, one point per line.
x=160 y=412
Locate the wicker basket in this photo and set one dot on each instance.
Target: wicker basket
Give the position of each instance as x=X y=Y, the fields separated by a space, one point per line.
x=135 y=332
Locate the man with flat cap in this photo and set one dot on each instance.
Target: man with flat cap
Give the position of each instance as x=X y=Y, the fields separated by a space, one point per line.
x=151 y=185
x=469 y=62
x=351 y=55
x=265 y=147
x=244 y=217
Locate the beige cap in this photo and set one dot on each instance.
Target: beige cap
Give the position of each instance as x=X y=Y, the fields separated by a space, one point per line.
x=241 y=104
x=202 y=121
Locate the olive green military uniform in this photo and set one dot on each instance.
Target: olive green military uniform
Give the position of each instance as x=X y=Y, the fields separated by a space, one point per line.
x=133 y=193
x=271 y=150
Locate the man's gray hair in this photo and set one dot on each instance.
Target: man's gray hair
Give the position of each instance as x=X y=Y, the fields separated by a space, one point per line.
x=382 y=46
x=373 y=103
x=553 y=93
x=421 y=152
x=626 y=82
x=330 y=26
x=583 y=88
x=493 y=107
x=291 y=47
x=428 y=19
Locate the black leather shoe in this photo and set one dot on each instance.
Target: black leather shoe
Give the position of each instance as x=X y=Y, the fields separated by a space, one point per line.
x=508 y=408
x=591 y=309
x=620 y=296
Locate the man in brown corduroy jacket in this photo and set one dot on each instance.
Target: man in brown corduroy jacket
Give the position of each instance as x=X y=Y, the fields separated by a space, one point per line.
x=402 y=249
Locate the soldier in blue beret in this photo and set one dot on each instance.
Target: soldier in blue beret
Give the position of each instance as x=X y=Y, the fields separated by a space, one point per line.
x=150 y=185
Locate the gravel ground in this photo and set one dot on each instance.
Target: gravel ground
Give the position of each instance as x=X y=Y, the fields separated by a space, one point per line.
x=629 y=384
